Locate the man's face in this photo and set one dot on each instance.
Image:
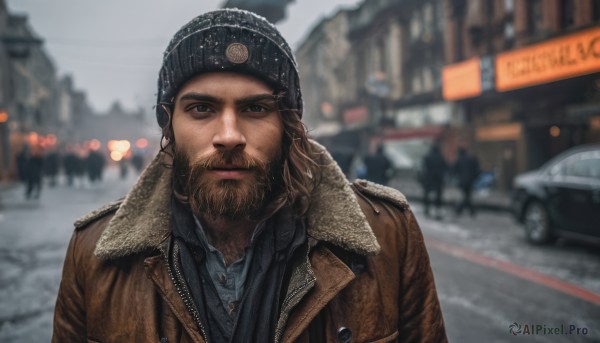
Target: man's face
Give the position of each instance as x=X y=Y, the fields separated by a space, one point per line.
x=228 y=135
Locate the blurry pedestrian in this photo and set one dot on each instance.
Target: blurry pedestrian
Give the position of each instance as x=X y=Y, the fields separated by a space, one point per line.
x=123 y=169
x=80 y=167
x=378 y=167
x=95 y=166
x=51 y=166
x=344 y=158
x=137 y=160
x=466 y=169
x=22 y=157
x=434 y=170
x=70 y=163
x=35 y=171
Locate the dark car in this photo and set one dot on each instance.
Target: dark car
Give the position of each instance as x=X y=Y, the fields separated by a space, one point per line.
x=562 y=198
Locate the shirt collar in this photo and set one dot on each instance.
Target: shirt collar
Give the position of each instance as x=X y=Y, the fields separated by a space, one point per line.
x=201 y=232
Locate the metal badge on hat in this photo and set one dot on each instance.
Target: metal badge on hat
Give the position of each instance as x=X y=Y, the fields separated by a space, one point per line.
x=237 y=53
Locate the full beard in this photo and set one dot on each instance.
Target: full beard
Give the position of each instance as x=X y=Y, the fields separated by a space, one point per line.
x=228 y=199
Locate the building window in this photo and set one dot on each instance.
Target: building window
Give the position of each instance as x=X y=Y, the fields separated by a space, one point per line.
x=458 y=10
x=417 y=85
x=509 y=6
x=427 y=79
x=567 y=13
x=596 y=10
x=489 y=9
x=382 y=54
x=535 y=16
x=415 y=26
x=361 y=73
x=509 y=35
x=428 y=15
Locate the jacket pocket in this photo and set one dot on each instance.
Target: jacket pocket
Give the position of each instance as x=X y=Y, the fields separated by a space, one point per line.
x=390 y=338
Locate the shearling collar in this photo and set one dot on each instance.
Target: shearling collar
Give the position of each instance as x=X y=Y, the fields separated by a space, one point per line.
x=143 y=219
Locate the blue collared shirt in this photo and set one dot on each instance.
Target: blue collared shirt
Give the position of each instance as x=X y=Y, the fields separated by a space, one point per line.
x=229 y=281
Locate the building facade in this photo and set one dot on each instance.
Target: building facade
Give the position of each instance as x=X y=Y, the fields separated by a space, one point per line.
x=527 y=74
x=380 y=64
x=36 y=108
x=321 y=56
x=73 y=110
x=5 y=92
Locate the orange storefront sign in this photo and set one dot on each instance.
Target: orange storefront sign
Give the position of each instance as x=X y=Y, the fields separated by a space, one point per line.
x=573 y=55
x=462 y=80
x=503 y=132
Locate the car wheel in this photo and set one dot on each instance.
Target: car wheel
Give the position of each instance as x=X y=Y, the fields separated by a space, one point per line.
x=537 y=223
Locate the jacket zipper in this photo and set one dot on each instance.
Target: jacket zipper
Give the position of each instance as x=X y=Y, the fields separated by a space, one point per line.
x=279 y=331
x=290 y=297
x=183 y=293
x=295 y=292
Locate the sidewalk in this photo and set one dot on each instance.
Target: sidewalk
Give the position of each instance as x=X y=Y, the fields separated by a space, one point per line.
x=6 y=188
x=493 y=200
x=6 y=185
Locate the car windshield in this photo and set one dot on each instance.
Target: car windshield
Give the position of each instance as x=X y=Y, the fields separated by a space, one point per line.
x=586 y=164
x=581 y=164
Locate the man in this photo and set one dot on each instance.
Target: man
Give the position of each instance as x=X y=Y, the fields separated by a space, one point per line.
x=378 y=167
x=35 y=172
x=466 y=169
x=434 y=169
x=94 y=164
x=241 y=229
x=70 y=163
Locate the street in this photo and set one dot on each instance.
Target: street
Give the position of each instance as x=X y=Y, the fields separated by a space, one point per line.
x=488 y=277
x=33 y=240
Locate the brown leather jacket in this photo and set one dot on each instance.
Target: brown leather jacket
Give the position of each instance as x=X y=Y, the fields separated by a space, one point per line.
x=366 y=278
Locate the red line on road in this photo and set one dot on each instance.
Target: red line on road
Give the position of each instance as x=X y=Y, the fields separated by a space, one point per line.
x=515 y=270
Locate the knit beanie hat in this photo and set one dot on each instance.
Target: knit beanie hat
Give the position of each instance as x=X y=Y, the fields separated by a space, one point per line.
x=228 y=40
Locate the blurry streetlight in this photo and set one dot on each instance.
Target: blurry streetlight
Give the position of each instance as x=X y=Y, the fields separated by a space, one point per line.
x=51 y=139
x=48 y=142
x=327 y=110
x=33 y=138
x=95 y=144
x=124 y=145
x=116 y=156
x=3 y=116
x=4 y=141
x=112 y=145
x=554 y=131
x=141 y=143
x=118 y=149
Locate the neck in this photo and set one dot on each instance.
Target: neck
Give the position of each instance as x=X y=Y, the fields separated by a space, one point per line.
x=230 y=237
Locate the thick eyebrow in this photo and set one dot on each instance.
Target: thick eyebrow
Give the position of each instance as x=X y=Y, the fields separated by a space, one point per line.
x=256 y=98
x=200 y=97
x=209 y=98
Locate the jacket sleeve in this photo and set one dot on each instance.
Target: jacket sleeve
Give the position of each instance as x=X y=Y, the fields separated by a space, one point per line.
x=420 y=315
x=69 y=313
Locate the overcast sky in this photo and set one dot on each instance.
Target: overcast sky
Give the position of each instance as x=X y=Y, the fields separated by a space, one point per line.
x=113 y=48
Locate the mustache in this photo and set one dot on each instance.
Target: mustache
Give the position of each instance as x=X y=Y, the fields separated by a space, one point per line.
x=235 y=159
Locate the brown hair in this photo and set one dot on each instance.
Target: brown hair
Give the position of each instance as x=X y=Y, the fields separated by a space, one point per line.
x=300 y=171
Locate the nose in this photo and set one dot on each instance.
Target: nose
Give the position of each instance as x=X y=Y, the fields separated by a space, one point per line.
x=228 y=135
